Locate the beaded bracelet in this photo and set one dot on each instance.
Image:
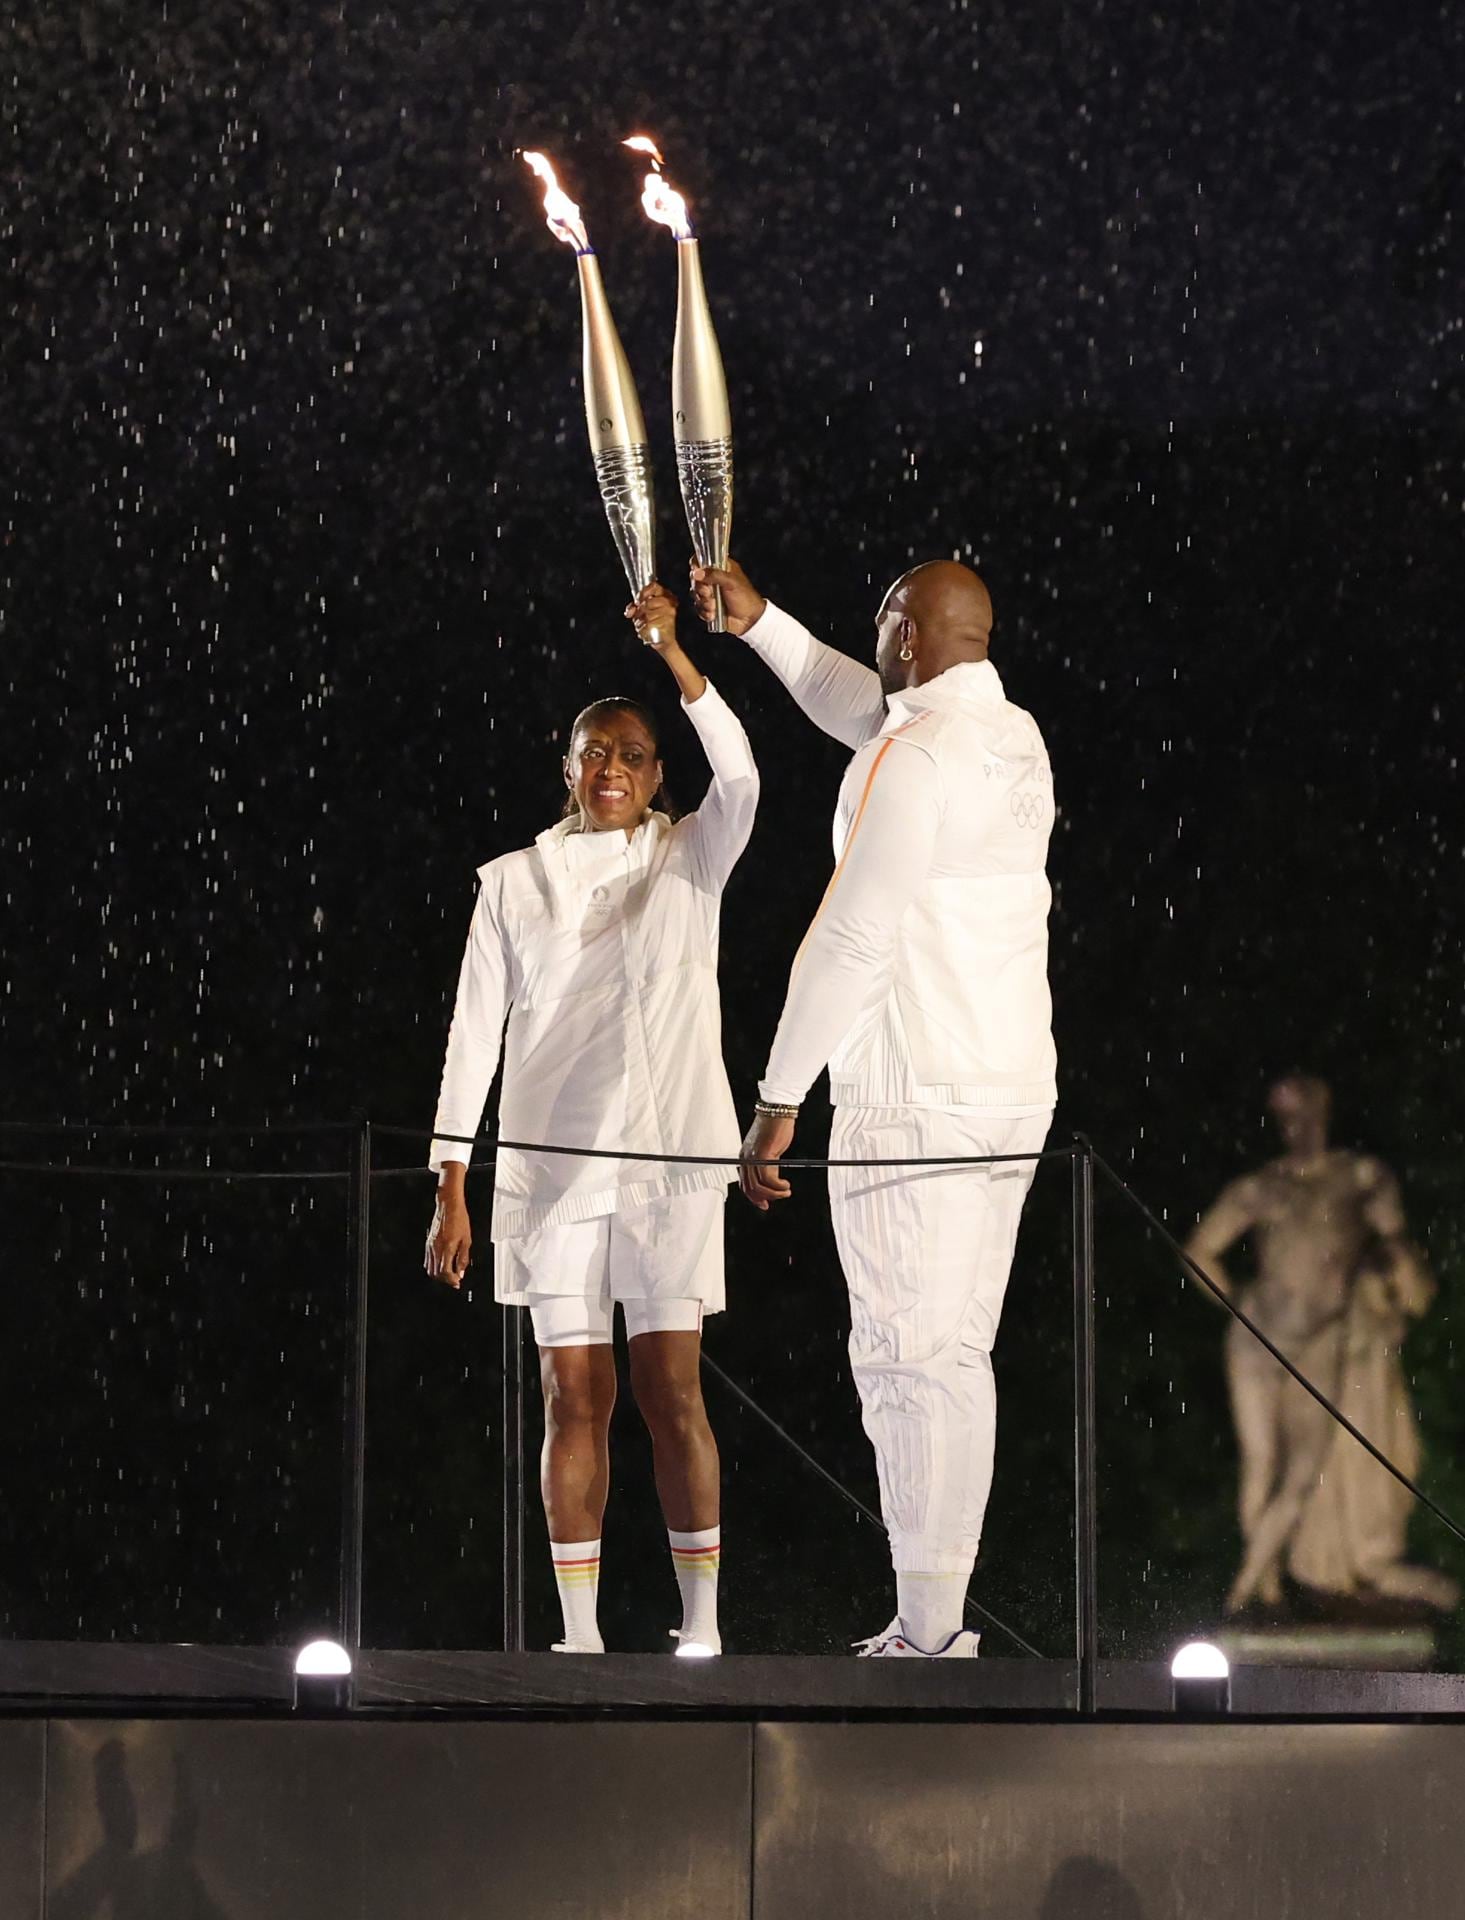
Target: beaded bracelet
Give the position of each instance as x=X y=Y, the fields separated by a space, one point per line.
x=775 y=1112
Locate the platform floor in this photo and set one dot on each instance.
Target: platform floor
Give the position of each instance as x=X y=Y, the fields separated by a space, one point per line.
x=61 y=1675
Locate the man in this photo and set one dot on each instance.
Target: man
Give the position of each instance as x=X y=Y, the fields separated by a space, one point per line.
x=1337 y=1284
x=922 y=985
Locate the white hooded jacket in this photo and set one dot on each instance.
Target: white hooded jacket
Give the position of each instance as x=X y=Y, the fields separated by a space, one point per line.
x=923 y=979
x=602 y=953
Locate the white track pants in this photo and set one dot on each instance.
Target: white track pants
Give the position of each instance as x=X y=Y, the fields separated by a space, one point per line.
x=926 y=1253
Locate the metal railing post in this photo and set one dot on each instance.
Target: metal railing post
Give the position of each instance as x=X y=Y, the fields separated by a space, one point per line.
x=513 y=1471
x=1085 y=1430
x=353 y=1477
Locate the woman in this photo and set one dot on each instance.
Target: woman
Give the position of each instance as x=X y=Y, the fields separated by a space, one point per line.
x=599 y=943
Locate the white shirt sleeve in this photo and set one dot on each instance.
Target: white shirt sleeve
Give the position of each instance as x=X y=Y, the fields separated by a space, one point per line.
x=837 y=693
x=718 y=831
x=476 y=1034
x=847 y=959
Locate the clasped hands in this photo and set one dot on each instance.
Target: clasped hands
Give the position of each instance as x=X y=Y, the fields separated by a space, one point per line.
x=653 y=612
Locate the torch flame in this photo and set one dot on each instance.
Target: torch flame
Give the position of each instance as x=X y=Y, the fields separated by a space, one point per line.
x=561 y=214
x=662 y=203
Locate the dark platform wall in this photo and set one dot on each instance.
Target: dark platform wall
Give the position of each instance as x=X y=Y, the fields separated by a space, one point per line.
x=22 y=1763
x=1010 y=1822
x=231 y=1821
x=1109 y=1823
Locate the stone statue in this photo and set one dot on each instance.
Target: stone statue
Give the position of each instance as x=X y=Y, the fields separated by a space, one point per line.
x=1337 y=1284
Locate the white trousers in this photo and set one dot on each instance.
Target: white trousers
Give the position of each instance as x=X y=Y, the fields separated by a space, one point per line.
x=926 y=1252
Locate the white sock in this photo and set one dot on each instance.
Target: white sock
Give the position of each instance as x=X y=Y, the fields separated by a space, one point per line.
x=577 y=1575
x=696 y=1557
x=931 y=1607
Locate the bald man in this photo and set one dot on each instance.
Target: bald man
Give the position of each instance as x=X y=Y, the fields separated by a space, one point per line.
x=922 y=984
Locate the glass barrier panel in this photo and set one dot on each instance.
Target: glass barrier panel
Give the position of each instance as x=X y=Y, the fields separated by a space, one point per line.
x=432 y=1574
x=804 y=1569
x=170 y=1402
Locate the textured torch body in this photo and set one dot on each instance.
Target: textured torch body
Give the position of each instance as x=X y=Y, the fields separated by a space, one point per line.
x=701 y=422
x=617 y=432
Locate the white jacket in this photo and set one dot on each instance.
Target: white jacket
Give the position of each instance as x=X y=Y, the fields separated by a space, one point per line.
x=602 y=952
x=923 y=979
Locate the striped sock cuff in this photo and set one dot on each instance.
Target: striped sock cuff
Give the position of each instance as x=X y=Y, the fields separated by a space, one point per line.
x=697 y=1555
x=576 y=1562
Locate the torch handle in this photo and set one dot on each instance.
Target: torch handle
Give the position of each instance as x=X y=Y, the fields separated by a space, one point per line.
x=624 y=478
x=705 y=471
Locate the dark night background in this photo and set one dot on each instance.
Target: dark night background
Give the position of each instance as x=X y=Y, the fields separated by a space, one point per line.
x=305 y=576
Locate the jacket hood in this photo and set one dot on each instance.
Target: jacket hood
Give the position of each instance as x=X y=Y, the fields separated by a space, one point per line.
x=568 y=892
x=974 y=690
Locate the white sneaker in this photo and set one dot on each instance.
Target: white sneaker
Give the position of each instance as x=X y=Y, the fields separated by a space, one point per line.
x=577 y=1646
x=701 y=1648
x=893 y=1645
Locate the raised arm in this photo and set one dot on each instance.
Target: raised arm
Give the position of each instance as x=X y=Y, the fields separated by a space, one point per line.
x=1233 y=1213
x=718 y=831
x=837 y=693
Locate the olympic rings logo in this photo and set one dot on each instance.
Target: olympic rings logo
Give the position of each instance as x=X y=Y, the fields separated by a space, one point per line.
x=1027 y=809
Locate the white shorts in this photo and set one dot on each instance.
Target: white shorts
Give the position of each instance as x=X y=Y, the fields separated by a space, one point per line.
x=565 y=1320
x=667 y=1250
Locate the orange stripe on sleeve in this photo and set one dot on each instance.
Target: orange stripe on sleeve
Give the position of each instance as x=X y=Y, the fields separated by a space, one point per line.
x=854 y=829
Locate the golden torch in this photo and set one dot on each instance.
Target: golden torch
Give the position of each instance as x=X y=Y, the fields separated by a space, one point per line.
x=612 y=411
x=701 y=422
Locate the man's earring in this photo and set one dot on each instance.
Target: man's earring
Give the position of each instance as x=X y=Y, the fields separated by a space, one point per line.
x=905 y=644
